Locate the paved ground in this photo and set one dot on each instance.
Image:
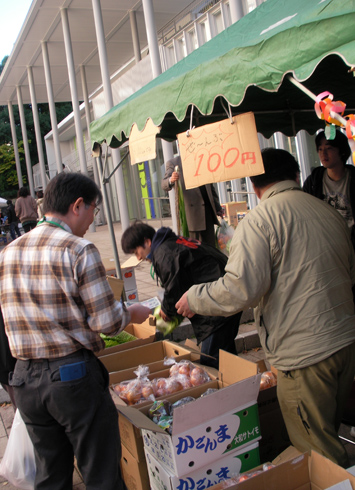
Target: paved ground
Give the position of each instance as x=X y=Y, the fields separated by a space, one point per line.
x=247 y=340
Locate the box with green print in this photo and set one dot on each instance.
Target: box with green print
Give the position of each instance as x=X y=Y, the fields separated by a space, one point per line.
x=209 y=475
x=210 y=427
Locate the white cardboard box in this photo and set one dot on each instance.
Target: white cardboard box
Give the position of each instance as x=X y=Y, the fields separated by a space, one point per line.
x=207 y=476
x=209 y=427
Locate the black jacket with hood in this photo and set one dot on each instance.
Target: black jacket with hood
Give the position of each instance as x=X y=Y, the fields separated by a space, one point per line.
x=182 y=262
x=314 y=185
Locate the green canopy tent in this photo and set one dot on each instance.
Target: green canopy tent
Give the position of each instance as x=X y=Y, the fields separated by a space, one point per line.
x=247 y=66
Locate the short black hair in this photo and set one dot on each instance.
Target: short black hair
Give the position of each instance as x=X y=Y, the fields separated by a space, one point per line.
x=340 y=141
x=64 y=189
x=135 y=235
x=23 y=192
x=278 y=165
x=9 y=202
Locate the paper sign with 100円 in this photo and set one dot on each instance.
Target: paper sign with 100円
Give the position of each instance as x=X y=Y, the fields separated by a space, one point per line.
x=221 y=151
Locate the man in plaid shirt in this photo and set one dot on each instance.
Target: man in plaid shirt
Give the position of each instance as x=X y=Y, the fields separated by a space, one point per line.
x=56 y=301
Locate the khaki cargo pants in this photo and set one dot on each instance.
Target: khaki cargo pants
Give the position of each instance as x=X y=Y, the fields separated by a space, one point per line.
x=312 y=401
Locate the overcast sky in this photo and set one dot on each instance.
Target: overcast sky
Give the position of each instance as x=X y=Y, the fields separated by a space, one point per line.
x=12 y=14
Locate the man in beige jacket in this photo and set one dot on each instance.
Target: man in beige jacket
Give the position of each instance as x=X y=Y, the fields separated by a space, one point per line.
x=292 y=258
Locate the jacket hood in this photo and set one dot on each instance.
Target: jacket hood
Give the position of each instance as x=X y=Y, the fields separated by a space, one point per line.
x=160 y=236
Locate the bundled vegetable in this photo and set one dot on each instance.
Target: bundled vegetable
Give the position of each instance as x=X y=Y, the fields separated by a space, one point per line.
x=121 y=338
x=166 y=327
x=180 y=208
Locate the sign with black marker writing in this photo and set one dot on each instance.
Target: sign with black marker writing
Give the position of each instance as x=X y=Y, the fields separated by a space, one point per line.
x=221 y=151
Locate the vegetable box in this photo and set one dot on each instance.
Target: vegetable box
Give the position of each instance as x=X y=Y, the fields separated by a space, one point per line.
x=208 y=428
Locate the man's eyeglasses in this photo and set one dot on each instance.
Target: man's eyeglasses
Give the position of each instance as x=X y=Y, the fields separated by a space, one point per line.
x=96 y=208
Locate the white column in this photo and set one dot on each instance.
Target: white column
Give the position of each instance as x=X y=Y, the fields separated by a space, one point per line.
x=280 y=141
x=73 y=90
x=236 y=9
x=156 y=69
x=100 y=35
x=135 y=35
x=51 y=103
x=252 y=198
x=152 y=37
x=303 y=155
x=25 y=140
x=14 y=142
x=37 y=127
x=237 y=187
x=88 y=121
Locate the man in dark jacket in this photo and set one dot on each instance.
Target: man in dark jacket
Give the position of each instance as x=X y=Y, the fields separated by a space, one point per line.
x=334 y=181
x=12 y=220
x=180 y=263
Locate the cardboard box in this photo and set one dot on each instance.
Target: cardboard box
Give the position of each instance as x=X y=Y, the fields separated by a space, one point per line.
x=207 y=476
x=209 y=427
x=134 y=472
x=128 y=275
x=144 y=332
x=145 y=354
x=304 y=472
x=233 y=207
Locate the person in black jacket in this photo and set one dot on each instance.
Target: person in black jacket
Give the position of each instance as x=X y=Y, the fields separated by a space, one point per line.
x=12 y=220
x=180 y=263
x=334 y=181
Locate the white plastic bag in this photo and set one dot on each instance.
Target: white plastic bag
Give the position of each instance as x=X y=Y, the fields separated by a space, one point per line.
x=224 y=235
x=18 y=464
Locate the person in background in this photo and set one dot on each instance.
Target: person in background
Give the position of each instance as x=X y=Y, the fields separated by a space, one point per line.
x=26 y=209
x=292 y=258
x=56 y=301
x=39 y=204
x=179 y=263
x=334 y=181
x=12 y=220
x=202 y=204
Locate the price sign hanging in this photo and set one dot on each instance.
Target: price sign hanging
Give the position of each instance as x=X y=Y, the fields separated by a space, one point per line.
x=221 y=151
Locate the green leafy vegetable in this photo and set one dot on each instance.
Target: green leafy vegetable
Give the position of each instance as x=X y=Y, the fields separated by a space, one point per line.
x=166 y=327
x=121 y=338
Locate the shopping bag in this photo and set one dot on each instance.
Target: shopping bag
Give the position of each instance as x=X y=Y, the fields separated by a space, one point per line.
x=18 y=464
x=224 y=234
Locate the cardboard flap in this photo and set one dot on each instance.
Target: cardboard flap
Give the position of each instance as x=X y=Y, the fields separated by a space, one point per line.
x=138 y=419
x=131 y=262
x=233 y=368
x=116 y=286
x=193 y=414
x=324 y=473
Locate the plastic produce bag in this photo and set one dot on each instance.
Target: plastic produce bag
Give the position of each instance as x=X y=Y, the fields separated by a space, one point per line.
x=224 y=236
x=18 y=464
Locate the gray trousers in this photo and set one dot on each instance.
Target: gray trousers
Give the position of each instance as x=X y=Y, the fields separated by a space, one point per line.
x=70 y=418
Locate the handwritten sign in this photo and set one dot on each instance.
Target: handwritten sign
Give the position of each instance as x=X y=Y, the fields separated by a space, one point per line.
x=142 y=144
x=221 y=151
